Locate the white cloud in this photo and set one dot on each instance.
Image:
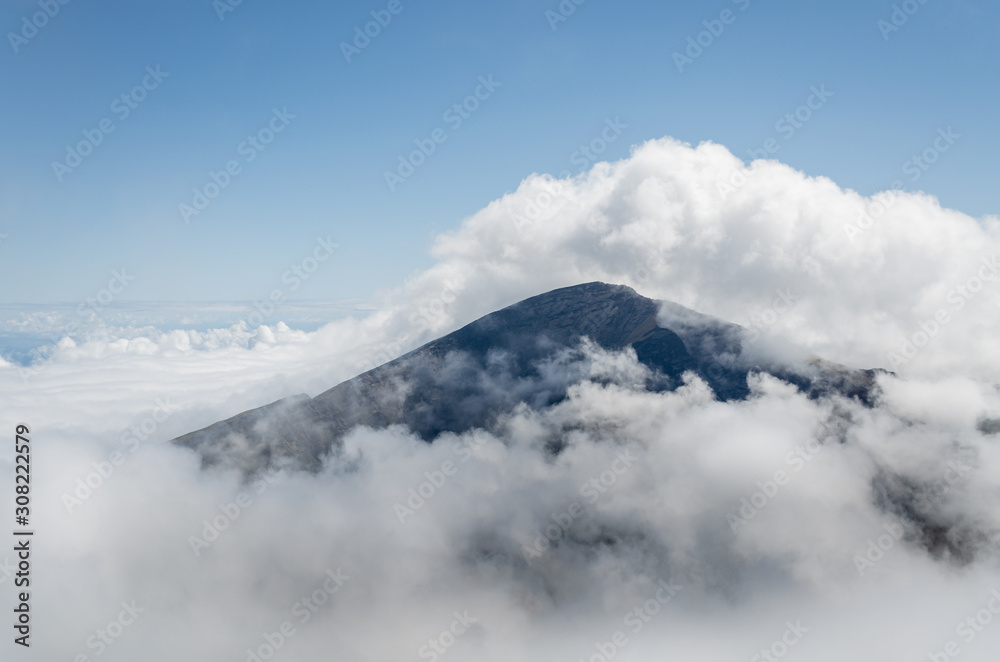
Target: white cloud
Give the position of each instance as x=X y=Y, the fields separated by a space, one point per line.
x=655 y=221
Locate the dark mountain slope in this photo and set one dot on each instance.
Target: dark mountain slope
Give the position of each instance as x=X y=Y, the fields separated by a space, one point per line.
x=522 y=353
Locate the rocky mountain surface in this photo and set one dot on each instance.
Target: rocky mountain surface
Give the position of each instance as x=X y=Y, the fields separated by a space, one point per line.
x=520 y=354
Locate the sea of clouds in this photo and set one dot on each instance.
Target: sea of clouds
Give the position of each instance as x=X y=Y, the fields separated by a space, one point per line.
x=666 y=525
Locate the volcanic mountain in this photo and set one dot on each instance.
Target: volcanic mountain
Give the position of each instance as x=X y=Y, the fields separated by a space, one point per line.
x=521 y=354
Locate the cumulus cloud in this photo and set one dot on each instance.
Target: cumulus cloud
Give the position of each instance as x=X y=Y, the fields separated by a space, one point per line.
x=687 y=526
x=664 y=222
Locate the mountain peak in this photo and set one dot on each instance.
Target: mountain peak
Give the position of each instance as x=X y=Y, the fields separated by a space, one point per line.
x=471 y=377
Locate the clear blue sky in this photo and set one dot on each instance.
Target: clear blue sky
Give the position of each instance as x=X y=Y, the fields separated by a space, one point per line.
x=323 y=174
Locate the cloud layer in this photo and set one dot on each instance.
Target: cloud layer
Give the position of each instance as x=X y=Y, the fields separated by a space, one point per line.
x=776 y=517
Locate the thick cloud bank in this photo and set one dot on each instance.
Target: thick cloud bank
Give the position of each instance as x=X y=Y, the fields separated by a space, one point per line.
x=618 y=524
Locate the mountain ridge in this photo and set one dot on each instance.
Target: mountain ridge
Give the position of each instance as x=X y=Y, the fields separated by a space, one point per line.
x=469 y=377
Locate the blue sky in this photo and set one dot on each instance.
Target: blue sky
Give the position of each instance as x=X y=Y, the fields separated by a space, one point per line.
x=555 y=86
